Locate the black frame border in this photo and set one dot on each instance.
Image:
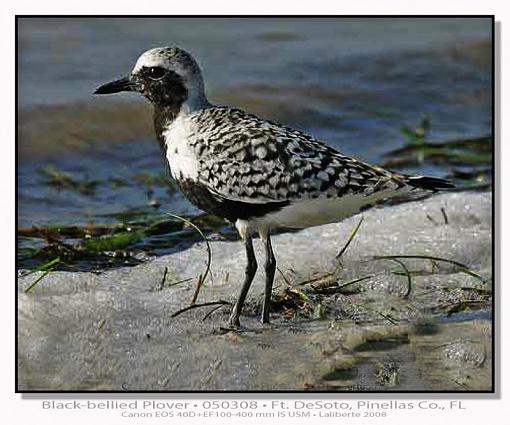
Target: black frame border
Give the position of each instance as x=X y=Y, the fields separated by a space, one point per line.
x=495 y=199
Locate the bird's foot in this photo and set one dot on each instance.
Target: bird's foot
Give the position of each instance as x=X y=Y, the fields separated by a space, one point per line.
x=265 y=319
x=233 y=321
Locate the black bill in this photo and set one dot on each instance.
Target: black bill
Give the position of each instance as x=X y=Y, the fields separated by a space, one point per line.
x=124 y=84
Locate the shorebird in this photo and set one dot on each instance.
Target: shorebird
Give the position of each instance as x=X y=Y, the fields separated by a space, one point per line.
x=257 y=174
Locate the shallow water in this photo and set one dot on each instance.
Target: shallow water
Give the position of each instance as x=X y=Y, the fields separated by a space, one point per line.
x=350 y=82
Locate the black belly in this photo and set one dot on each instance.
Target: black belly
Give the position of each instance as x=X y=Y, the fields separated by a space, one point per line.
x=199 y=195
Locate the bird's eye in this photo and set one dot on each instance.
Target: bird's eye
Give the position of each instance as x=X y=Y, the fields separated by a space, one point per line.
x=156 y=72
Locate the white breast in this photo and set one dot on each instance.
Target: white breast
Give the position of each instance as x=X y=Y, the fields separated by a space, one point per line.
x=181 y=158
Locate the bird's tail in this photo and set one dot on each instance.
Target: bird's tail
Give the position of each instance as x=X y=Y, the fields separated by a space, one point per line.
x=433 y=184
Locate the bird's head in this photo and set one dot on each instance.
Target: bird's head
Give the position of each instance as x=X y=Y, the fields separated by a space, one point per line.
x=167 y=76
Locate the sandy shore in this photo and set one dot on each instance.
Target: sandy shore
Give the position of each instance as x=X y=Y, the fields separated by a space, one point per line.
x=424 y=325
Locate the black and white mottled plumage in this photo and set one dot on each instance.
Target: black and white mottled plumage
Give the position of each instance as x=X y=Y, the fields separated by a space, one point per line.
x=256 y=173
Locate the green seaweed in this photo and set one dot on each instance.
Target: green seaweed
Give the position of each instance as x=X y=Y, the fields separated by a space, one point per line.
x=64 y=180
x=92 y=246
x=473 y=155
x=45 y=268
x=155 y=180
x=350 y=238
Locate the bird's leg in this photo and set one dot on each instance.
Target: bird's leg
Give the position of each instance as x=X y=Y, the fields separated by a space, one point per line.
x=270 y=271
x=251 y=268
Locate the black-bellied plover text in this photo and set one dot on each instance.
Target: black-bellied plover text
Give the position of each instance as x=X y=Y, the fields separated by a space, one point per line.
x=257 y=174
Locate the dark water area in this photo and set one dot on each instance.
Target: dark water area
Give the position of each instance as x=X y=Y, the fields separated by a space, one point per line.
x=350 y=82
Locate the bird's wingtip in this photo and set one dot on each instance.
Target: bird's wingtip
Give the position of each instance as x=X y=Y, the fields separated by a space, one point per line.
x=430 y=183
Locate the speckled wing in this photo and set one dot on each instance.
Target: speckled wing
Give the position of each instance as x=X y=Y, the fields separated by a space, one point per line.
x=244 y=158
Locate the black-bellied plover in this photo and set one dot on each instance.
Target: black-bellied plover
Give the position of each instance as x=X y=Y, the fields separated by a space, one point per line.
x=257 y=174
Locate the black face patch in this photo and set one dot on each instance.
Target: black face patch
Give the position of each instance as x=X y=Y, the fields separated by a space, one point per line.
x=161 y=86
